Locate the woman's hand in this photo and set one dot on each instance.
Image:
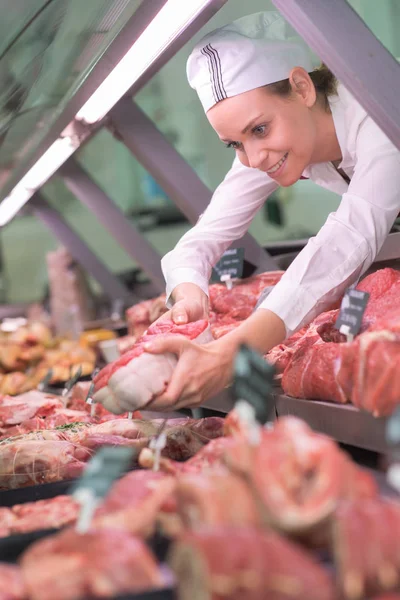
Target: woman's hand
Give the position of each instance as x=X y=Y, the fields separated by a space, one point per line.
x=202 y=371
x=190 y=304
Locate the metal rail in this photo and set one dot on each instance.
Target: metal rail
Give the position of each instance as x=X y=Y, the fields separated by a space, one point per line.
x=113 y=219
x=110 y=284
x=172 y=172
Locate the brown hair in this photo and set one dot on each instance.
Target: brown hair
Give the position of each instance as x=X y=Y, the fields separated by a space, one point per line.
x=323 y=79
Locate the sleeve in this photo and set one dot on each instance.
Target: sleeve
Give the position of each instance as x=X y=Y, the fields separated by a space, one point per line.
x=351 y=238
x=227 y=217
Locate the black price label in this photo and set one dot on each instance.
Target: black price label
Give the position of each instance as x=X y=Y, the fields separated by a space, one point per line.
x=264 y=294
x=252 y=382
x=352 y=310
x=230 y=264
x=103 y=469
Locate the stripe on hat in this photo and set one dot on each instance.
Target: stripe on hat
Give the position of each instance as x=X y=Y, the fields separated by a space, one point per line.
x=212 y=67
x=219 y=71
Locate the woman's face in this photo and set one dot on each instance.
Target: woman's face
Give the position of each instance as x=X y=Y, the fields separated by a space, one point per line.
x=271 y=133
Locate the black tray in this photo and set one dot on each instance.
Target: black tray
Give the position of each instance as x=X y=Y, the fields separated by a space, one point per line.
x=12 y=547
x=31 y=493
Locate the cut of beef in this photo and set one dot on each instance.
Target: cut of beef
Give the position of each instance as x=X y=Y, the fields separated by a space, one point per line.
x=300 y=476
x=321 y=371
x=45 y=514
x=239 y=302
x=31 y=462
x=215 y=499
x=135 y=502
x=11 y=583
x=365 y=372
x=16 y=409
x=142 y=315
x=366 y=547
x=246 y=564
x=101 y=564
x=137 y=377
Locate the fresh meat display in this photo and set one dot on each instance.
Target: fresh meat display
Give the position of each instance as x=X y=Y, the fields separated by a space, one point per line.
x=11 y=583
x=296 y=479
x=136 y=501
x=31 y=462
x=100 y=564
x=366 y=547
x=137 y=377
x=246 y=564
x=42 y=514
x=52 y=455
x=366 y=371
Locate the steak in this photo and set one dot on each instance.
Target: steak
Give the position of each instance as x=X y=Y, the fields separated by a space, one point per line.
x=365 y=542
x=11 y=583
x=319 y=364
x=42 y=514
x=246 y=564
x=102 y=563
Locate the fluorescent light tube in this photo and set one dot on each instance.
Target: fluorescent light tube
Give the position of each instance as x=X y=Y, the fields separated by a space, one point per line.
x=41 y=171
x=166 y=26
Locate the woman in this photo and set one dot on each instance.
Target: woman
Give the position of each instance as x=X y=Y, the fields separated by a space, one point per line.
x=285 y=122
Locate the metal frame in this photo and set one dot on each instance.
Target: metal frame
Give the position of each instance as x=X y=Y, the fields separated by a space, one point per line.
x=150 y=147
x=110 y=284
x=111 y=57
x=342 y=40
x=113 y=219
x=342 y=422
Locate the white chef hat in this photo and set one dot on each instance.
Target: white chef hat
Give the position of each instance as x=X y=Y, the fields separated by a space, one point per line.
x=251 y=52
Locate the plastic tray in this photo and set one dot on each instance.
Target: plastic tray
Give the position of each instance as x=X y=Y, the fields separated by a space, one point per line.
x=31 y=493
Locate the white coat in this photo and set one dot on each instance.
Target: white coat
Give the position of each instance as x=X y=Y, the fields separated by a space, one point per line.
x=345 y=246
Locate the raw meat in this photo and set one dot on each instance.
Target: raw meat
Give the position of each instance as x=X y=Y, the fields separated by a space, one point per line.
x=16 y=409
x=142 y=315
x=366 y=547
x=60 y=417
x=215 y=499
x=11 y=583
x=321 y=371
x=135 y=502
x=208 y=458
x=239 y=302
x=299 y=476
x=366 y=371
x=137 y=377
x=53 y=455
x=103 y=563
x=44 y=514
x=31 y=462
x=246 y=564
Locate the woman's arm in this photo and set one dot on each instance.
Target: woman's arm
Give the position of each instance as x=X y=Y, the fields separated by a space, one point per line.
x=228 y=216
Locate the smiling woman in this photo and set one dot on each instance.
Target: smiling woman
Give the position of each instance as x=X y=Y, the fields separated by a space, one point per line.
x=286 y=121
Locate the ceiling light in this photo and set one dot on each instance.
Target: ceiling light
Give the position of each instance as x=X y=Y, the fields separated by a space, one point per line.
x=41 y=171
x=166 y=26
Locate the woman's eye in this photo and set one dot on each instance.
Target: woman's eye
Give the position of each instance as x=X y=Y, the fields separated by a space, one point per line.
x=234 y=145
x=260 y=130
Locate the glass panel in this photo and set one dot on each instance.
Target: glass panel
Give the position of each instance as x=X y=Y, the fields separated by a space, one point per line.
x=47 y=49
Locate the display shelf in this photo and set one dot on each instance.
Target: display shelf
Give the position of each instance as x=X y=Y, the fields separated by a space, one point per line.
x=343 y=422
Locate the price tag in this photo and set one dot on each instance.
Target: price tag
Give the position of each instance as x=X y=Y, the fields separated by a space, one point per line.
x=231 y=264
x=393 y=439
x=351 y=312
x=252 y=384
x=71 y=382
x=45 y=381
x=264 y=294
x=101 y=472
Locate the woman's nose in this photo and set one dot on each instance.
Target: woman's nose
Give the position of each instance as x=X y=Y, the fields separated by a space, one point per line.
x=256 y=158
